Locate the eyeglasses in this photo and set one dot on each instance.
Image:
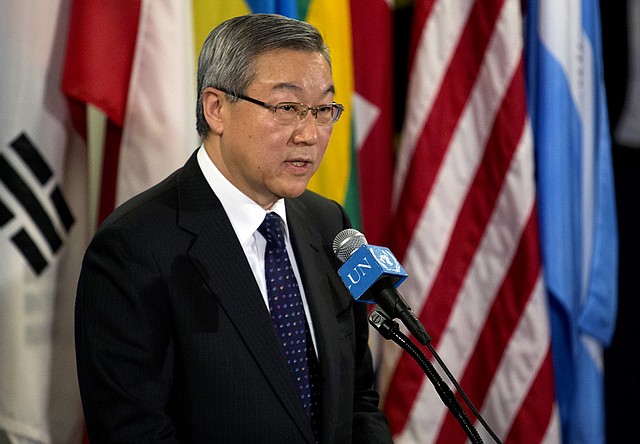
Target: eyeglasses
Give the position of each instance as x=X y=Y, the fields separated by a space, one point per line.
x=289 y=113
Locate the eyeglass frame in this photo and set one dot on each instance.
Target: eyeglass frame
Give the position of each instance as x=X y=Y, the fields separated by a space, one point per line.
x=273 y=108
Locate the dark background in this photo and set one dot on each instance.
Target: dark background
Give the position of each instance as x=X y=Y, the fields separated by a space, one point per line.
x=622 y=367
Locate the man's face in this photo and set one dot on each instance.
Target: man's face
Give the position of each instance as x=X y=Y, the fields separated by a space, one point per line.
x=266 y=159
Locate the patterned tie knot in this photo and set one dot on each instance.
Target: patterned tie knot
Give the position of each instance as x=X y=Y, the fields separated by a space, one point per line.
x=272 y=230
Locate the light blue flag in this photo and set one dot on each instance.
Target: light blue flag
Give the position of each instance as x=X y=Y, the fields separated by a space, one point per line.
x=576 y=200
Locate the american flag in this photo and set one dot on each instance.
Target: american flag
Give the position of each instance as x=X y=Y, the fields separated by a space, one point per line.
x=466 y=230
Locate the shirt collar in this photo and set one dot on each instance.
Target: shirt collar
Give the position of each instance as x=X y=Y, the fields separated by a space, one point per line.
x=245 y=214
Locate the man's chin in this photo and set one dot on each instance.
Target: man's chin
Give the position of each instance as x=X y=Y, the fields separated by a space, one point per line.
x=293 y=189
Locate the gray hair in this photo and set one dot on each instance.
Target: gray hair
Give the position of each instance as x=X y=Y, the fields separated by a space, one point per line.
x=228 y=55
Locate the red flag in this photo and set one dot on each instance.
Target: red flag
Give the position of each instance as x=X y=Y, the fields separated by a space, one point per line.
x=133 y=60
x=466 y=230
x=97 y=71
x=373 y=111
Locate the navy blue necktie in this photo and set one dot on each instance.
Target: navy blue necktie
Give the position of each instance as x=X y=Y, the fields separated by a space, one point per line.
x=287 y=313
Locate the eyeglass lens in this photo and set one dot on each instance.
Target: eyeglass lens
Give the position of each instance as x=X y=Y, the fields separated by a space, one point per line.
x=290 y=112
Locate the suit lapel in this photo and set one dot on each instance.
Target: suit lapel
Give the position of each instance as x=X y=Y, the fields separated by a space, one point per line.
x=317 y=274
x=220 y=260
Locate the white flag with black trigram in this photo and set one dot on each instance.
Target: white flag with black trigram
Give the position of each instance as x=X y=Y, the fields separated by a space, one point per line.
x=43 y=228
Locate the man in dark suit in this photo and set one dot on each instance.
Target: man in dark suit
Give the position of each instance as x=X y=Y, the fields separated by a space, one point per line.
x=175 y=339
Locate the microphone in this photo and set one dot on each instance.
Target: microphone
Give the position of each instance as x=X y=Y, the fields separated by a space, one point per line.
x=371 y=274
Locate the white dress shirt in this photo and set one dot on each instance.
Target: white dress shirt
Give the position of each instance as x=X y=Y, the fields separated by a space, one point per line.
x=246 y=216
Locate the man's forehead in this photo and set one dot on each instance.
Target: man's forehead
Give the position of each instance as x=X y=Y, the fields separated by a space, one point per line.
x=292 y=70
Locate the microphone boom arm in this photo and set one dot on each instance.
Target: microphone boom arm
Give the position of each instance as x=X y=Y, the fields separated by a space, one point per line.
x=389 y=329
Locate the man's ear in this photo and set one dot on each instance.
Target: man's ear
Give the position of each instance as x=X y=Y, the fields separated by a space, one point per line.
x=212 y=102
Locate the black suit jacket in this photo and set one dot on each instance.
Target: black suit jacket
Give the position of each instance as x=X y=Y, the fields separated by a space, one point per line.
x=174 y=341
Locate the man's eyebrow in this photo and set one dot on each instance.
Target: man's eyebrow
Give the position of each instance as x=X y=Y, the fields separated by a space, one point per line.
x=286 y=86
x=292 y=87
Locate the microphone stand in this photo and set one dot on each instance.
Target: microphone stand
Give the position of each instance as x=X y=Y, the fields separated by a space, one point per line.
x=389 y=329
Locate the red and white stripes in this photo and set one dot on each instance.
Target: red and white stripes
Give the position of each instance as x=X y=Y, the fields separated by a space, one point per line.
x=466 y=230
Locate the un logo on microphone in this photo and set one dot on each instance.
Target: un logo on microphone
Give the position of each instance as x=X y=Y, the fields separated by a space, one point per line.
x=386 y=259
